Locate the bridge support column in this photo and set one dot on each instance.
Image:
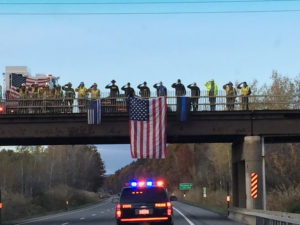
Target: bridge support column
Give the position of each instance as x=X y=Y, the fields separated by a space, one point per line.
x=247 y=158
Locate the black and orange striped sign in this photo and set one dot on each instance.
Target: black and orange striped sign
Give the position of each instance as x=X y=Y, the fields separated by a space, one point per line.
x=254 y=185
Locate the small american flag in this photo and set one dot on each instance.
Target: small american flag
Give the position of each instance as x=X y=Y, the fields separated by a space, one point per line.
x=18 y=79
x=94 y=111
x=147 y=127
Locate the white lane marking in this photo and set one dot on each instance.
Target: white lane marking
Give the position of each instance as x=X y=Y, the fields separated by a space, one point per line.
x=94 y=214
x=65 y=223
x=102 y=212
x=187 y=219
x=63 y=214
x=82 y=218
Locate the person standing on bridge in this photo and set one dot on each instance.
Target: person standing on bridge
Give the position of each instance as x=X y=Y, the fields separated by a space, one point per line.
x=114 y=92
x=114 y=89
x=81 y=95
x=144 y=90
x=129 y=91
x=195 y=94
x=211 y=91
x=69 y=97
x=179 y=88
x=95 y=92
x=230 y=96
x=245 y=92
x=58 y=95
x=23 y=96
x=161 y=90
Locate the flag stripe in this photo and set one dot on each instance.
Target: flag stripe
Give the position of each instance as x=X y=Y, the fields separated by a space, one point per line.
x=147 y=142
x=164 y=133
x=150 y=130
x=154 y=129
x=141 y=138
x=135 y=137
x=131 y=138
x=160 y=127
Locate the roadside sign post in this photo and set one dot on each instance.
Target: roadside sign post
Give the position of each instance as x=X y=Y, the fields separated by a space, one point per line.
x=228 y=198
x=204 y=192
x=0 y=208
x=67 y=205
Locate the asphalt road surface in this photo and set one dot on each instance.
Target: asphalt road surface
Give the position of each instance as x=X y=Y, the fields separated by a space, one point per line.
x=103 y=214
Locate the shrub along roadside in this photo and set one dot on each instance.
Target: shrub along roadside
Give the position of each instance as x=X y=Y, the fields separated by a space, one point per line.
x=16 y=206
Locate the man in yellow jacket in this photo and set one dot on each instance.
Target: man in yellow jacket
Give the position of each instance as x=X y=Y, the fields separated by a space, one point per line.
x=95 y=92
x=211 y=91
x=81 y=95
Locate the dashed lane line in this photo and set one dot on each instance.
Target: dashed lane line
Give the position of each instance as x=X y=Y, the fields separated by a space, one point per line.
x=65 y=223
x=94 y=214
x=187 y=219
x=82 y=218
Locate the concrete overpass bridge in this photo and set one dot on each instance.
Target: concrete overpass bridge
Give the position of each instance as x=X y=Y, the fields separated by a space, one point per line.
x=248 y=131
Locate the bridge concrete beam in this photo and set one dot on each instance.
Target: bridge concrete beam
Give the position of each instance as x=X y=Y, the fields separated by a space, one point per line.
x=247 y=159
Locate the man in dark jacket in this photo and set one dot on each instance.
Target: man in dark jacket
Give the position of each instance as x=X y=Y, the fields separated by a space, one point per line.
x=69 y=97
x=179 y=88
x=114 y=89
x=144 y=90
x=195 y=93
x=129 y=91
x=160 y=89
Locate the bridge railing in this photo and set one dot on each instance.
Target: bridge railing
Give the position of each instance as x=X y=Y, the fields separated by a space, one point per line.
x=119 y=104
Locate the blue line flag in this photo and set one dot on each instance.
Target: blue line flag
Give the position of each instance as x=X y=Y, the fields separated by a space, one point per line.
x=94 y=111
x=183 y=108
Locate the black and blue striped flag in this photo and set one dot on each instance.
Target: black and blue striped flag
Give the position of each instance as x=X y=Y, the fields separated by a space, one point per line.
x=94 y=111
x=183 y=108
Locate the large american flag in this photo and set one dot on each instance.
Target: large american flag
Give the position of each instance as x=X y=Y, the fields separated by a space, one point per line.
x=147 y=127
x=18 y=79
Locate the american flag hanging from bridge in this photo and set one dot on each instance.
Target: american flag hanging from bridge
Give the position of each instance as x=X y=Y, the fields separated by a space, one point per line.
x=18 y=79
x=147 y=127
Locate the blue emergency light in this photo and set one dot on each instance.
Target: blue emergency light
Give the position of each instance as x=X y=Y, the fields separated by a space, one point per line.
x=133 y=184
x=149 y=183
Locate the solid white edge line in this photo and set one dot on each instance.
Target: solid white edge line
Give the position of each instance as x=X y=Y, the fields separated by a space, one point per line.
x=187 y=219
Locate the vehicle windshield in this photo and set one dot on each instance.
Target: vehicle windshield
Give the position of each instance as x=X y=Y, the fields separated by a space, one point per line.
x=151 y=195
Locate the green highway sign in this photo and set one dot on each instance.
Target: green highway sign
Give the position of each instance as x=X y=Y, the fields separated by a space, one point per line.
x=185 y=186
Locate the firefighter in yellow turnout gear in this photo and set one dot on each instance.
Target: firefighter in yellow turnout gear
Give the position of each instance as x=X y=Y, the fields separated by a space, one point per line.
x=95 y=92
x=82 y=93
x=245 y=92
x=211 y=91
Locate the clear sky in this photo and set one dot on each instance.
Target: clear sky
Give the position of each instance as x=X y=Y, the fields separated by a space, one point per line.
x=151 y=47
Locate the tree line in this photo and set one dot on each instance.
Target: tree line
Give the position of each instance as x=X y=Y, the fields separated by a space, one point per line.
x=33 y=172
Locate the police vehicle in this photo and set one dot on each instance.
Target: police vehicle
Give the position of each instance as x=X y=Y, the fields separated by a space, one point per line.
x=144 y=201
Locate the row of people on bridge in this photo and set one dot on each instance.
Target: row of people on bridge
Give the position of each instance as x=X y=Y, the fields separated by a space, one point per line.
x=36 y=92
x=42 y=92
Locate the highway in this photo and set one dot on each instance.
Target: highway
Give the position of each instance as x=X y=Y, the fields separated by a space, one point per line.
x=103 y=214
